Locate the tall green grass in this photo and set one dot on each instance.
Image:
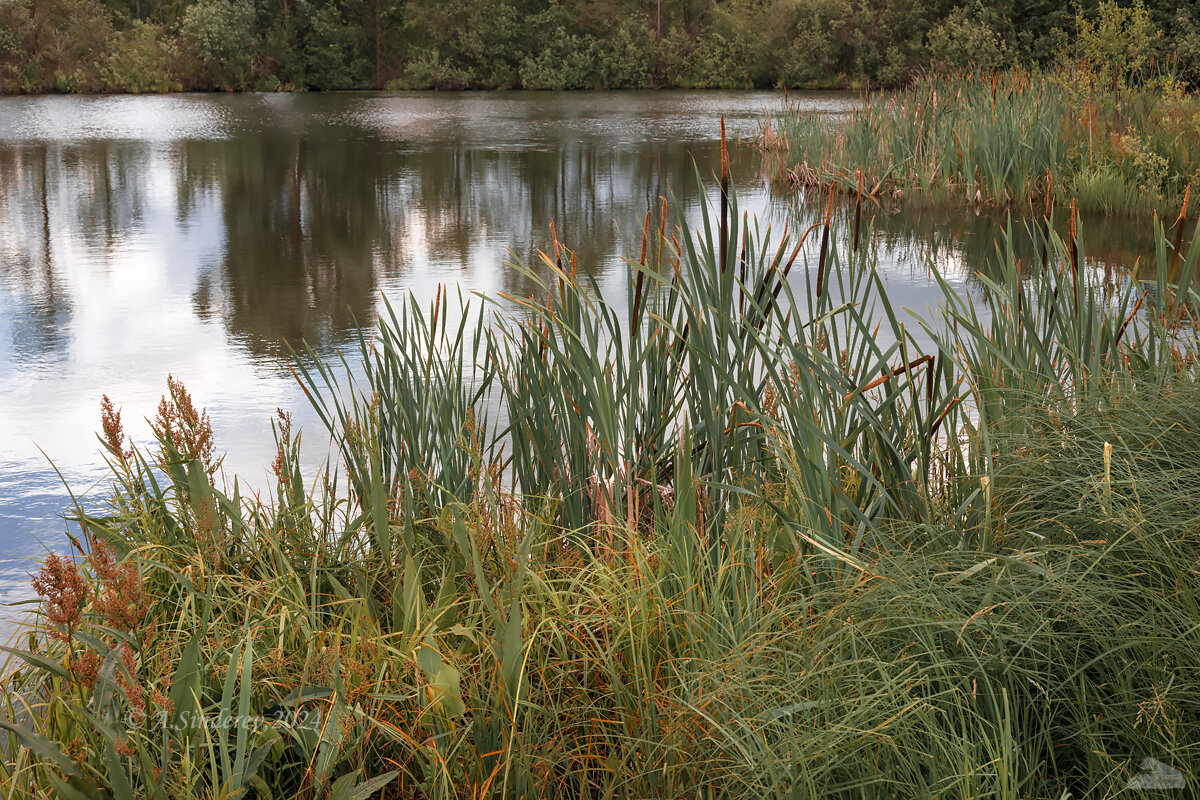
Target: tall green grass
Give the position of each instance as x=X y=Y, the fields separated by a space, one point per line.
x=733 y=535
x=1013 y=137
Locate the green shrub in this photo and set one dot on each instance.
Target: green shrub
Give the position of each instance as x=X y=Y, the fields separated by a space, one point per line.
x=720 y=62
x=52 y=45
x=969 y=37
x=1185 y=45
x=218 y=35
x=281 y=52
x=11 y=54
x=335 y=56
x=565 y=61
x=625 y=57
x=140 y=61
x=673 y=59
x=427 y=70
x=492 y=41
x=804 y=44
x=1120 y=41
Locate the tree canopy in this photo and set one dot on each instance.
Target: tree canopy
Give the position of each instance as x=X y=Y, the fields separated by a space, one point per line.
x=160 y=45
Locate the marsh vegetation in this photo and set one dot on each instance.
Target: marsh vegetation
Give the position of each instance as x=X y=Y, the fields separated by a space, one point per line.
x=1107 y=127
x=737 y=535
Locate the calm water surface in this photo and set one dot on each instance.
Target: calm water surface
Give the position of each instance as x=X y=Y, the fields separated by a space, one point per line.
x=201 y=235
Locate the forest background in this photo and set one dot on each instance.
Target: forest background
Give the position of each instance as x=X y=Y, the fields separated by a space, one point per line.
x=271 y=45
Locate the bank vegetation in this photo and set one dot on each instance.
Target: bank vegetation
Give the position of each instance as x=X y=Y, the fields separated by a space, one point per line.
x=738 y=533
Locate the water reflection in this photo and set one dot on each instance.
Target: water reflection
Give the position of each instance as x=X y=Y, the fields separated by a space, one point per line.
x=314 y=203
x=38 y=316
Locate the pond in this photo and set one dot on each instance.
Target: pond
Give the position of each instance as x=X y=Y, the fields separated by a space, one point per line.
x=204 y=235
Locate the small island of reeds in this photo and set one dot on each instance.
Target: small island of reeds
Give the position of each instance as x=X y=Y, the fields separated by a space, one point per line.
x=1109 y=128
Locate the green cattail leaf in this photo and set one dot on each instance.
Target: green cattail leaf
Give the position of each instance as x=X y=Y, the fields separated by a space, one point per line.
x=41 y=747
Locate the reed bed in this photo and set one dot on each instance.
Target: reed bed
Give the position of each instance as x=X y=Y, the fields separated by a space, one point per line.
x=1001 y=138
x=733 y=536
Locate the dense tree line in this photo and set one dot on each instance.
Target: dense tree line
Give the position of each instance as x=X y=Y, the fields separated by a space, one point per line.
x=164 y=45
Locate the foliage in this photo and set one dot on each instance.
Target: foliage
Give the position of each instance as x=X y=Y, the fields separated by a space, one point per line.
x=621 y=57
x=764 y=546
x=804 y=42
x=468 y=43
x=1120 y=41
x=565 y=61
x=279 y=57
x=52 y=45
x=218 y=35
x=1003 y=138
x=140 y=61
x=63 y=45
x=1186 y=45
x=428 y=71
x=969 y=38
x=335 y=60
x=625 y=59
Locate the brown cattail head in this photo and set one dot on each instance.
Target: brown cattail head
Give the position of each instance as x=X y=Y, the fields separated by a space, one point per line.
x=1180 y=224
x=645 y=239
x=1187 y=196
x=554 y=236
x=437 y=306
x=1049 y=191
x=724 y=153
